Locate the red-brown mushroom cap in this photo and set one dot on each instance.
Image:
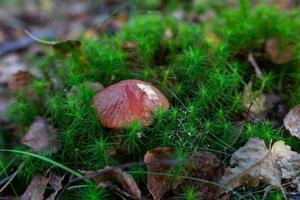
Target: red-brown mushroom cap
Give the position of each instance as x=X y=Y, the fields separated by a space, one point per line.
x=127 y=101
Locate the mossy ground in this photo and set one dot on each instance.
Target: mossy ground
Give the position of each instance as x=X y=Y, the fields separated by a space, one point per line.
x=202 y=68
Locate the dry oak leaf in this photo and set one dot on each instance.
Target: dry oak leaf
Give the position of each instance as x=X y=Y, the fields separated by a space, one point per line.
x=288 y=160
x=117 y=175
x=206 y=166
x=252 y=164
x=36 y=189
x=158 y=185
x=292 y=121
x=41 y=137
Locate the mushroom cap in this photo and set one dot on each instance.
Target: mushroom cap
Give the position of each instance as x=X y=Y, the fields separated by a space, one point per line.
x=127 y=101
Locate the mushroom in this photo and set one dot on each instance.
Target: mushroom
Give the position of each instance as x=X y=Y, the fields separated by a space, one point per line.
x=128 y=101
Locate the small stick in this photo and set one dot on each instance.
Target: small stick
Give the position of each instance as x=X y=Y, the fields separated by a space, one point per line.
x=253 y=62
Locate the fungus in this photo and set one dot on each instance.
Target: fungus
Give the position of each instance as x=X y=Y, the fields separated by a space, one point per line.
x=128 y=101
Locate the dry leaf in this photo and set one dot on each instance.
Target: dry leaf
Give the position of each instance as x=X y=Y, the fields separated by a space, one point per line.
x=206 y=166
x=124 y=179
x=252 y=164
x=9 y=65
x=158 y=185
x=278 y=53
x=260 y=104
x=288 y=160
x=36 y=189
x=56 y=183
x=41 y=137
x=292 y=121
x=20 y=81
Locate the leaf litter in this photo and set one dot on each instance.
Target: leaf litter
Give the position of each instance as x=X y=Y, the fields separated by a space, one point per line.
x=41 y=137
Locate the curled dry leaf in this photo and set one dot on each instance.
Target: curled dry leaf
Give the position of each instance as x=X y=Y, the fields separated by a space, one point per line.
x=288 y=160
x=116 y=175
x=206 y=166
x=41 y=137
x=277 y=52
x=252 y=164
x=36 y=189
x=158 y=185
x=292 y=121
x=260 y=104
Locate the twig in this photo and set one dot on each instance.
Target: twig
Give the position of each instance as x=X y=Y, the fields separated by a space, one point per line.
x=253 y=62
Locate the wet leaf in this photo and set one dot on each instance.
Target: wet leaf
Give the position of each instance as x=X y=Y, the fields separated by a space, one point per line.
x=288 y=160
x=252 y=164
x=206 y=166
x=41 y=137
x=292 y=121
x=36 y=189
x=158 y=185
x=116 y=175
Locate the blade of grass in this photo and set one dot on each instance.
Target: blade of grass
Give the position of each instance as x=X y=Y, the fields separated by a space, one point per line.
x=57 y=164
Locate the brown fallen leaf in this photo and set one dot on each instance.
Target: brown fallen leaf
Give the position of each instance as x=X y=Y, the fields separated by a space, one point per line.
x=292 y=121
x=41 y=137
x=288 y=160
x=116 y=175
x=252 y=164
x=206 y=166
x=259 y=103
x=56 y=184
x=36 y=189
x=9 y=65
x=20 y=81
x=158 y=185
x=279 y=53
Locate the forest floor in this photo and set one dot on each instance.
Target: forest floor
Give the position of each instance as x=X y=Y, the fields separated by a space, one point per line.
x=228 y=73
